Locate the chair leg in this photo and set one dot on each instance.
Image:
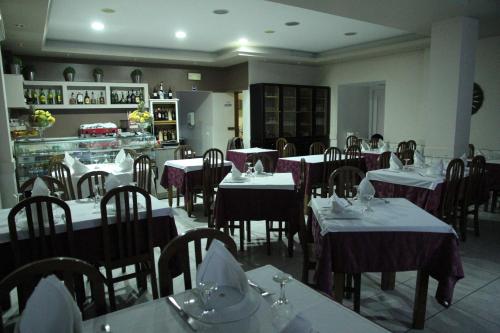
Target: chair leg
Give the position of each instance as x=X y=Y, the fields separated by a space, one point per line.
x=111 y=289
x=348 y=286
x=231 y=227
x=154 y=282
x=476 y=220
x=268 y=237
x=249 y=236
x=280 y=230
x=462 y=221
x=242 y=235
x=357 y=292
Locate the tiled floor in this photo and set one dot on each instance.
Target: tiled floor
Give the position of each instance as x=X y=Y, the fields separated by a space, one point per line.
x=476 y=304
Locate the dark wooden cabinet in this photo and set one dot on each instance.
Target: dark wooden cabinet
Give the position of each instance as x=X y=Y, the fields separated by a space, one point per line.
x=301 y=114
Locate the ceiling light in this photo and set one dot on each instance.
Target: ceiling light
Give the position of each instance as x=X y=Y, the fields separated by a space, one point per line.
x=108 y=10
x=243 y=41
x=269 y=31
x=292 y=23
x=97 y=26
x=180 y=34
x=352 y=33
x=221 y=11
x=19 y=25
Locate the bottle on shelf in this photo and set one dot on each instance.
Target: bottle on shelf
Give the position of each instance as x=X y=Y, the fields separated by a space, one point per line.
x=86 y=100
x=27 y=98
x=170 y=94
x=92 y=98
x=50 y=97
x=128 y=98
x=160 y=136
x=34 y=97
x=101 y=99
x=132 y=97
x=173 y=114
x=137 y=97
x=79 y=98
x=141 y=95
x=161 y=92
x=155 y=93
x=59 y=99
x=72 y=99
x=43 y=98
x=169 y=114
x=169 y=136
x=122 y=99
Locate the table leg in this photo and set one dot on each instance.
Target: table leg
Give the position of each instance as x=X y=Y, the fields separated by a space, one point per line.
x=170 y=195
x=338 y=281
x=420 y=303
x=388 y=281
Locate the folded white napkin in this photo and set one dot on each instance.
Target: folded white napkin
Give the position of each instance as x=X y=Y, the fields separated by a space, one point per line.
x=126 y=164
x=338 y=204
x=383 y=147
x=219 y=266
x=112 y=181
x=418 y=159
x=235 y=173
x=50 y=308
x=464 y=158
x=79 y=168
x=395 y=163
x=39 y=188
x=68 y=159
x=366 y=189
x=259 y=168
x=120 y=156
x=436 y=169
x=299 y=324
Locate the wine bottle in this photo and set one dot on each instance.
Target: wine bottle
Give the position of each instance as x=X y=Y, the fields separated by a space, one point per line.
x=155 y=93
x=92 y=98
x=50 y=97
x=173 y=114
x=137 y=97
x=101 y=99
x=132 y=97
x=43 y=99
x=122 y=98
x=170 y=94
x=59 y=98
x=161 y=93
x=86 y=100
x=79 y=98
x=72 y=99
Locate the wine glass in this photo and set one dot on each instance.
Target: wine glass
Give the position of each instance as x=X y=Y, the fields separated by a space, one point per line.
x=367 y=199
x=282 y=309
x=95 y=160
x=97 y=196
x=206 y=290
x=58 y=194
x=355 y=191
x=249 y=169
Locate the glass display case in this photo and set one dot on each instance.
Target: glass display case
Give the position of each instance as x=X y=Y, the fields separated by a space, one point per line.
x=32 y=155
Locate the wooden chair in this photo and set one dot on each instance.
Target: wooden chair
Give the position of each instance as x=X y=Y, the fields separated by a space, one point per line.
x=402 y=146
x=377 y=137
x=331 y=160
x=353 y=156
x=92 y=179
x=383 y=160
x=471 y=152
x=266 y=160
x=61 y=172
x=344 y=181
x=406 y=156
x=143 y=172
x=289 y=150
x=412 y=145
x=473 y=195
x=280 y=146
x=70 y=270
x=449 y=200
x=183 y=152
x=213 y=173
x=132 y=152
x=374 y=143
x=235 y=143
x=317 y=148
x=53 y=184
x=59 y=158
x=177 y=253
x=351 y=140
x=127 y=245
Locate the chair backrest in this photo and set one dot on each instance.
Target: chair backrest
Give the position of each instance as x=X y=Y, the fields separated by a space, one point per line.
x=353 y=156
x=317 y=148
x=289 y=150
x=377 y=137
x=332 y=159
x=143 y=172
x=406 y=156
x=475 y=181
x=92 y=180
x=471 y=151
x=235 y=143
x=176 y=254
x=183 y=152
x=130 y=240
x=280 y=145
x=383 y=160
x=412 y=145
x=344 y=181
x=56 y=158
x=402 y=146
x=451 y=193
x=374 y=143
x=215 y=166
x=132 y=152
x=351 y=140
x=266 y=160
x=40 y=223
x=26 y=278
x=53 y=184
x=61 y=172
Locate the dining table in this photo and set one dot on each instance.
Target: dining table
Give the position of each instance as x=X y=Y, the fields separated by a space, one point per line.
x=384 y=235
x=267 y=196
x=371 y=158
x=185 y=175
x=316 y=311
x=239 y=156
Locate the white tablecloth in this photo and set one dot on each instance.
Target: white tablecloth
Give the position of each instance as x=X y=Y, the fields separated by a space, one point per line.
x=324 y=314
x=309 y=158
x=394 y=214
x=413 y=177
x=254 y=150
x=191 y=164
x=276 y=181
x=84 y=215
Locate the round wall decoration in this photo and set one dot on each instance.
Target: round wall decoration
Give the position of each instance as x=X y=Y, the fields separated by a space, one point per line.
x=477 y=98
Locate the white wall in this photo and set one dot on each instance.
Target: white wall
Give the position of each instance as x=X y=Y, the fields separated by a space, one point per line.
x=223 y=117
x=353 y=111
x=246 y=117
x=269 y=72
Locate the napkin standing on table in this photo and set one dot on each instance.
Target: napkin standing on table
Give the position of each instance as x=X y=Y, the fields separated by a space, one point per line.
x=39 y=189
x=112 y=182
x=235 y=173
x=338 y=204
x=126 y=164
x=79 y=168
x=418 y=159
x=68 y=160
x=365 y=189
x=464 y=158
x=259 y=168
x=120 y=156
x=384 y=146
x=436 y=169
x=365 y=146
x=50 y=308
x=395 y=163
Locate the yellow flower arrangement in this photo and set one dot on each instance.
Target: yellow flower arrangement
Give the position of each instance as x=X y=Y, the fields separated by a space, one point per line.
x=42 y=118
x=140 y=116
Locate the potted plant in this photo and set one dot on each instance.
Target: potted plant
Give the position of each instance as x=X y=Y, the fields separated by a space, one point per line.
x=98 y=74
x=29 y=72
x=69 y=73
x=136 y=75
x=15 y=65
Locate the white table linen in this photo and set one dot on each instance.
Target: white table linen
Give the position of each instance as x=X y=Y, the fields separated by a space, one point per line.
x=276 y=181
x=254 y=150
x=190 y=165
x=412 y=177
x=388 y=215
x=84 y=216
x=323 y=313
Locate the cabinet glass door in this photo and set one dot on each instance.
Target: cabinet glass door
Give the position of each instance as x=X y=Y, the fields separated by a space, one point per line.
x=289 y=111
x=321 y=111
x=271 y=111
x=304 y=115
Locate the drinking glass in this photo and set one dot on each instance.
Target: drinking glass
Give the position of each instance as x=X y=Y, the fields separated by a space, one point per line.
x=96 y=160
x=248 y=169
x=367 y=201
x=281 y=309
x=206 y=290
x=355 y=192
x=97 y=196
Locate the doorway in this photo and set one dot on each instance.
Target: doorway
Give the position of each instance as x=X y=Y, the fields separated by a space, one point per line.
x=238 y=114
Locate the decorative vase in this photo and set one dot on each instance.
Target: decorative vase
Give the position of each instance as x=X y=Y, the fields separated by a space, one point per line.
x=98 y=77
x=40 y=130
x=15 y=69
x=29 y=76
x=69 y=76
x=142 y=127
x=137 y=78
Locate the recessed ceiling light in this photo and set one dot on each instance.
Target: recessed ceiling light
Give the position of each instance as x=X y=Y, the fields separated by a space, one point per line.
x=19 y=25
x=352 y=33
x=108 y=10
x=269 y=31
x=243 y=41
x=97 y=26
x=292 y=23
x=180 y=34
x=221 y=11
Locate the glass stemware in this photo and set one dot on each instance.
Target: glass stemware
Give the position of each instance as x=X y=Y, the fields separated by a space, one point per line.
x=206 y=290
x=248 y=169
x=282 y=309
x=97 y=196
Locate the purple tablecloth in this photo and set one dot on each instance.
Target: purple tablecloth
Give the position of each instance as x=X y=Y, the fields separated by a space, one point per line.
x=314 y=172
x=371 y=160
x=357 y=252
x=424 y=198
x=239 y=158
